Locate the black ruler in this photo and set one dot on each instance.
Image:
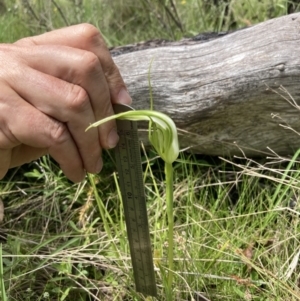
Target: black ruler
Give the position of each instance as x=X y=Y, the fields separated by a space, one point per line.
x=129 y=166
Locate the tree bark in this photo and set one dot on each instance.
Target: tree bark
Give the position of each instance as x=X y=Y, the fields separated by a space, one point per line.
x=231 y=94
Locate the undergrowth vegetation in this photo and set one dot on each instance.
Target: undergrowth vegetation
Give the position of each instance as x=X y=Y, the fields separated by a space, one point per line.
x=127 y=21
x=236 y=225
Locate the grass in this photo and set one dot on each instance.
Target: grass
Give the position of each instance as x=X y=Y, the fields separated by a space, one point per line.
x=232 y=241
x=127 y=21
x=236 y=227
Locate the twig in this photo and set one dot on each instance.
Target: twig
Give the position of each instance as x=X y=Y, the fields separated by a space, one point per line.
x=178 y=21
x=29 y=7
x=158 y=15
x=60 y=12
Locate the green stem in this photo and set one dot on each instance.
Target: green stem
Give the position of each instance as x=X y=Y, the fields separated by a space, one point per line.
x=169 y=198
x=103 y=212
x=285 y=174
x=2 y=286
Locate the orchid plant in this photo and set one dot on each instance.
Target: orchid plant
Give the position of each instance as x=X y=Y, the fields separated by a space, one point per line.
x=163 y=137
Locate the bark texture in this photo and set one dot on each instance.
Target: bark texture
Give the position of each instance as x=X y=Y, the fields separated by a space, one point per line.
x=227 y=93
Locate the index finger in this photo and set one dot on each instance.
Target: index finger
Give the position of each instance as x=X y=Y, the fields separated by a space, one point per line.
x=87 y=37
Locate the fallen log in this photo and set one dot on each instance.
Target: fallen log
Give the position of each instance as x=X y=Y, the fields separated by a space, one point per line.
x=228 y=93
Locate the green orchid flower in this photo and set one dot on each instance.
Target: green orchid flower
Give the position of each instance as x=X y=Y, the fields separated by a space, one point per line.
x=162 y=131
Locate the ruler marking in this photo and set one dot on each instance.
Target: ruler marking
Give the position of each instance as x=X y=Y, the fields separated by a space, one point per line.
x=134 y=203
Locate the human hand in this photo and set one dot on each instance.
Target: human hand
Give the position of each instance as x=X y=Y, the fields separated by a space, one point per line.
x=53 y=86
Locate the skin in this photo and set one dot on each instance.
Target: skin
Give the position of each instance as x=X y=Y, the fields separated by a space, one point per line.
x=53 y=86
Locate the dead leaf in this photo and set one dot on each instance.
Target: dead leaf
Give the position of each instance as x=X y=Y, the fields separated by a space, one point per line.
x=1 y=211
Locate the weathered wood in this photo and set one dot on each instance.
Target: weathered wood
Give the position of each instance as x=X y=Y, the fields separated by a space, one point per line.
x=220 y=93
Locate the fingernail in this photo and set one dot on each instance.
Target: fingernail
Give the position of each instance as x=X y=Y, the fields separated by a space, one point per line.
x=113 y=138
x=99 y=165
x=124 y=97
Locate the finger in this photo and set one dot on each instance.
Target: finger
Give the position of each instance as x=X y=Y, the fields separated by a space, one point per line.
x=5 y=158
x=87 y=37
x=25 y=154
x=31 y=127
x=67 y=103
x=81 y=68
